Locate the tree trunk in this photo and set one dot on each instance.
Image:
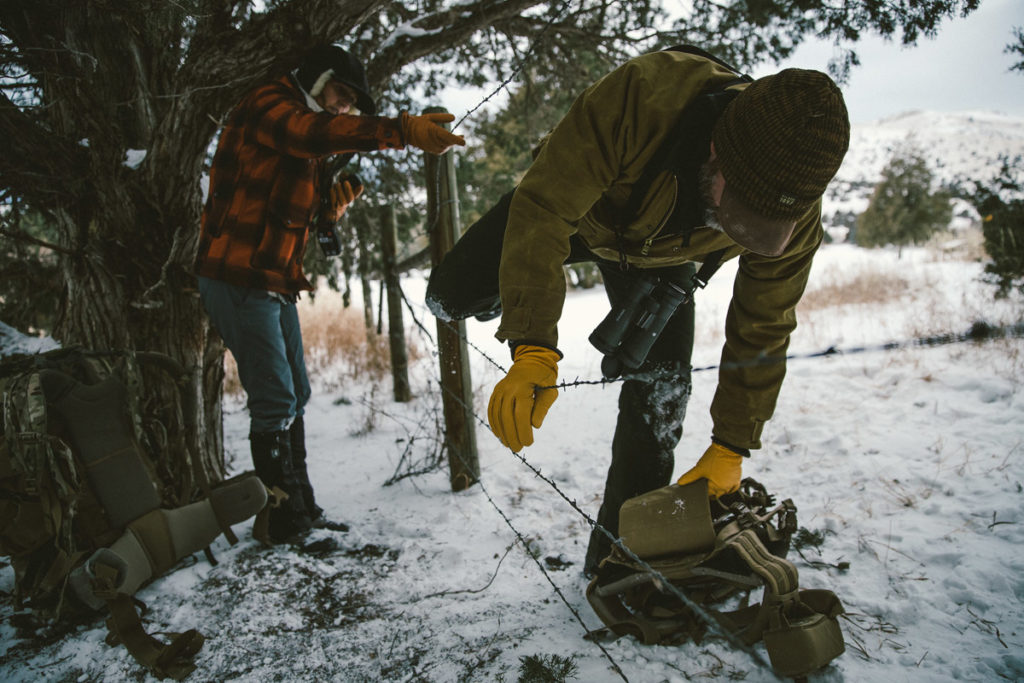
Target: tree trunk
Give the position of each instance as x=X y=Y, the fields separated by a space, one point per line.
x=364 y=277
x=121 y=296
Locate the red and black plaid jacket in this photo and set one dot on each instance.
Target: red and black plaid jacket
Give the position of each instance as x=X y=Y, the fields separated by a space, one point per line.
x=264 y=184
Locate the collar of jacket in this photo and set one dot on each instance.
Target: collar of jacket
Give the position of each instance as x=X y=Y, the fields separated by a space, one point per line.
x=683 y=153
x=311 y=102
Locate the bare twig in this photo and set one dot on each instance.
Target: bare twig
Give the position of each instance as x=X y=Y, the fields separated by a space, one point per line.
x=474 y=590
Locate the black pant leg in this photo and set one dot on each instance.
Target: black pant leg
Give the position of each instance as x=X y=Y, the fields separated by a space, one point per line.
x=465 y=283
x=652 y=406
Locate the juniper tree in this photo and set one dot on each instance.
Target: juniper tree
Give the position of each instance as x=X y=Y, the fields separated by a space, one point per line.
x=904 y=208
x=1000 y=201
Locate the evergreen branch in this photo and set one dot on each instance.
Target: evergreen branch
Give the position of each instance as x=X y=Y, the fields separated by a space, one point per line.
x=24 y=237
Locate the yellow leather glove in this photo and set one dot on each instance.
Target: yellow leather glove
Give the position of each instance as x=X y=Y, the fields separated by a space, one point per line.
x=426 y=133
x=516 y=403
x=342 y=194
x=722 y=468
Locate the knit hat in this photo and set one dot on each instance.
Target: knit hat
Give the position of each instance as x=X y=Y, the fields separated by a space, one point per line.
x=779 y=143
x=332 y=62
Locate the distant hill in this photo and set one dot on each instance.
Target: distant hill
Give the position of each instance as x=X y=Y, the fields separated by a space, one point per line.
x=956 y=144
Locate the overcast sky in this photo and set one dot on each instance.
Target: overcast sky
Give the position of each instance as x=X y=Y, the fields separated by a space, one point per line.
x=963 y=68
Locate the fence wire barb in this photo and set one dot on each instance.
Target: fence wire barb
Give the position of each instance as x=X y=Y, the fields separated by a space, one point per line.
x=978 y=331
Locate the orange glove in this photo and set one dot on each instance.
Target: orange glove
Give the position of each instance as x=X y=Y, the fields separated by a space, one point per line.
x=516 y=402
x=342 y=195
x=722 y=468
x=426 y=133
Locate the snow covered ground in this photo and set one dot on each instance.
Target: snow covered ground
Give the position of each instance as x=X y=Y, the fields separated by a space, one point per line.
x=909 y=462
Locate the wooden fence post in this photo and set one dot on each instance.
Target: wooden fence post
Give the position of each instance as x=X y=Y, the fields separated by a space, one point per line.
x=396 y=325
x=456 y=382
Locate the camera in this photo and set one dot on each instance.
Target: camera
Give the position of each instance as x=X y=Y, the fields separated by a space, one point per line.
x=326 y=232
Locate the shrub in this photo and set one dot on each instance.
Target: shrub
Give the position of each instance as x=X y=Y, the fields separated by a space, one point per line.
x=1000 y=201
x=903 y=209
x=547 y=669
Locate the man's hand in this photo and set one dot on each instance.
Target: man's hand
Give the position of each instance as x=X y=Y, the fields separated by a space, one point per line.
x=426 y=133
x=516 y=402
x=722 y=468
x=342 y=195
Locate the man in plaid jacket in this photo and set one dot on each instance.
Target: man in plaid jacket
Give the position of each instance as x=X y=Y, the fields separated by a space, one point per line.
x=264 y=196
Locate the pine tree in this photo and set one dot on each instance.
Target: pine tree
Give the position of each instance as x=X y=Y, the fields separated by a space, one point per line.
x=904 y=209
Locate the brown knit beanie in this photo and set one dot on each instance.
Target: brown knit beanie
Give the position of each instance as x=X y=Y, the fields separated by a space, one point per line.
x=781 y=141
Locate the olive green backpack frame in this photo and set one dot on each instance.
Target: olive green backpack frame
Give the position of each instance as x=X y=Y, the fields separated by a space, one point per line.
x=84 y=518
x=710 y=551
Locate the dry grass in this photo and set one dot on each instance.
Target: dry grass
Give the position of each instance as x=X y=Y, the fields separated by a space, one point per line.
x=964 y=245
x=338 y=347
x=883 y=283
x=867 y=286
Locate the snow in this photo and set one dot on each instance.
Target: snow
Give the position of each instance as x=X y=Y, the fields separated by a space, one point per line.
x=908 y=461
x=133 y=158
x=14 y=342
x=958 y=146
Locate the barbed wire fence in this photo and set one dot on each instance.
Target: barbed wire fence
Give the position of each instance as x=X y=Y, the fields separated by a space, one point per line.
x=978 y=332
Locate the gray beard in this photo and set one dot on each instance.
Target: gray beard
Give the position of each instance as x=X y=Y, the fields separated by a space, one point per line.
x=711 y=220
x=705 y=177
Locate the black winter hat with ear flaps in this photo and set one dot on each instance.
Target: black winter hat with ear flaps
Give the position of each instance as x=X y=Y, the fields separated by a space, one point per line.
x=334 y=62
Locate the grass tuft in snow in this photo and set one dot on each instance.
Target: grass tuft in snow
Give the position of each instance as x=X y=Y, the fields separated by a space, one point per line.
x=547 y=669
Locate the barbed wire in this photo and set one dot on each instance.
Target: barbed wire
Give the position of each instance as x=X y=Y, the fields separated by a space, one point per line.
x=713 y=625
x=558 y=591
x=977 y=332
x=519 y=65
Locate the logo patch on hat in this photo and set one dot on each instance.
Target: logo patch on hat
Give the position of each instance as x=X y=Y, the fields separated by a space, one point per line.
x=786 y=200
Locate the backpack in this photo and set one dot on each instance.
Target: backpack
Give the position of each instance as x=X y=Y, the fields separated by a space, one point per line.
x=711 y=551
x=84 y=518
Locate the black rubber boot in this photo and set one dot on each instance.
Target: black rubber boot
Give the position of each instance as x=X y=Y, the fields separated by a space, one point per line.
x=272 y=458
x=297 y=435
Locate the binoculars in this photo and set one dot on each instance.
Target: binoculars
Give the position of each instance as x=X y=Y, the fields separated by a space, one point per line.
x=326 y=232
x=628 y=332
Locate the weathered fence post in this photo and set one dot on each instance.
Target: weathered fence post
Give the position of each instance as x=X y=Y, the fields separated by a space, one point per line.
x=456 y=382
x=362 y=230
x=396 y=326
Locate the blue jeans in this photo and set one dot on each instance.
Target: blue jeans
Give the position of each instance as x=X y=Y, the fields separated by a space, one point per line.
x=262 y=332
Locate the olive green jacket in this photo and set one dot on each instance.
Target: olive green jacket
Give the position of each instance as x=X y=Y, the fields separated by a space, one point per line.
x=582 y=177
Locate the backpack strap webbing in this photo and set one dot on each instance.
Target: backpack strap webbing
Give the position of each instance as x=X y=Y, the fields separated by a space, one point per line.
x=261 y=525
x=166 y=660
x=800 y=629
